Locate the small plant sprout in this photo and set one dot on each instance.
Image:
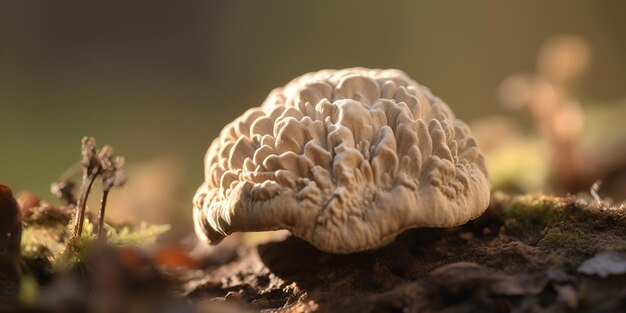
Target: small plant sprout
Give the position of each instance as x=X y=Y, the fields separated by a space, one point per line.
x=91 y=169
x=112 y=176
x=93 y=165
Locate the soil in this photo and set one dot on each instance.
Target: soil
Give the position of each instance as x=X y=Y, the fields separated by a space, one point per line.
x=528 y=253
x=522 y=255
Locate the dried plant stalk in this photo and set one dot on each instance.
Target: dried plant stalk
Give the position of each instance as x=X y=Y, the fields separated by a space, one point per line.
x=95 y=164
x=91 y=169
x=112 y=176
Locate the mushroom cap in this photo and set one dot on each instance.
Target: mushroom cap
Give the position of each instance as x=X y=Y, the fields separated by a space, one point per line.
x=344 y=159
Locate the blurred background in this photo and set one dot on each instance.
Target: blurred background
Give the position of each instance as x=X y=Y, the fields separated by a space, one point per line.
x=159 y=79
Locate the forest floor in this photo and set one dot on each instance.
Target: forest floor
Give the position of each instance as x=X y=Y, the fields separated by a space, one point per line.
x=532 y=253
x=526 y=253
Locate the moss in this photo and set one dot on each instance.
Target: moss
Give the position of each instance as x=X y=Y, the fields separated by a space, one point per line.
x=527 y=216
x=76 y=251
x=571 y=239
x=48 y=216
x=39 y=259
x=46 y=246
x=566 y=230
x=143 y=234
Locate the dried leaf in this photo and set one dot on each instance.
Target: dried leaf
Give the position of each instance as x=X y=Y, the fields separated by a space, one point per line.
x=174 y=257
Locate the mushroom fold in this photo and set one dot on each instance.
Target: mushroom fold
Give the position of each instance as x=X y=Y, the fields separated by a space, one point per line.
x=344 y=159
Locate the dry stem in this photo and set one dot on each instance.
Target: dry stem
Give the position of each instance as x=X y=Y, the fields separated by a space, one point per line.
x=103 y=204
x=82 y=204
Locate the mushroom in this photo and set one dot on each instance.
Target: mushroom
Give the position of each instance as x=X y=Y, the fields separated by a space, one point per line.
x=344 y=159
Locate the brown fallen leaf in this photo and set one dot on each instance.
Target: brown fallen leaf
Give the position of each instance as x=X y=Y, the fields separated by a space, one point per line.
x=174 y=257
x=10 y=237
x=27 y=200
x=10 y=223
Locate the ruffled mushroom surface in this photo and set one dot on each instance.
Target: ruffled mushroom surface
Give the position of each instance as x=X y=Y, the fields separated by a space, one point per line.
x=344 y=159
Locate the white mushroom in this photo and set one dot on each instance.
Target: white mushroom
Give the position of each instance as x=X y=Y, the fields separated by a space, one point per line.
x=344 y=159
